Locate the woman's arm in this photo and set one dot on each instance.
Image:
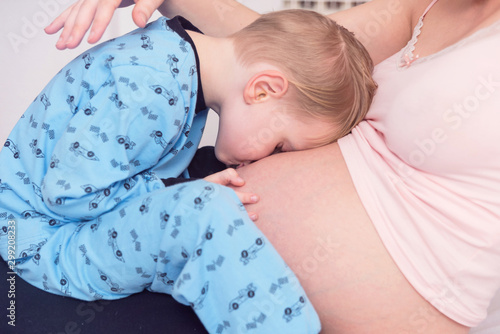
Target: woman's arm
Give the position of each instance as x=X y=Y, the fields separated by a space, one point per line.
x=213 y=17
x=383 y=26
x=78 y=18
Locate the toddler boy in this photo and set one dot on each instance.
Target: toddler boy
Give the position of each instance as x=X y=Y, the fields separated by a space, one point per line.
x=89 y=173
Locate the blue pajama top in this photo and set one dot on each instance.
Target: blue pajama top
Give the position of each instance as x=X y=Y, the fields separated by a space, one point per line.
x=81 y=181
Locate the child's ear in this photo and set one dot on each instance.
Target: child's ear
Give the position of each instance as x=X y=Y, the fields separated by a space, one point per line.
x=265 y=85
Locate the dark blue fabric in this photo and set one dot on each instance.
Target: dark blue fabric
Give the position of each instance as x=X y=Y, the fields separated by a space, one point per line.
x=38 y=312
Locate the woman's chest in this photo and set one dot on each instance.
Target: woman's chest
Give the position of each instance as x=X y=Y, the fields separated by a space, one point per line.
x=441 y=111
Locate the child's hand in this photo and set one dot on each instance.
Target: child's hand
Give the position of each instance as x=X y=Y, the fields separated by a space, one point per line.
x=230 y=177
x=77 y=18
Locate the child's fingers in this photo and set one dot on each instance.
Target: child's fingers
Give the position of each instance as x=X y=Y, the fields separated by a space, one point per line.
x=226 y=177
x=232 y=177
x=247 y=198
x=253 y=216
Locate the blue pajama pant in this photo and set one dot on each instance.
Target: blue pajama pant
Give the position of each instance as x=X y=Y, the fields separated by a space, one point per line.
x=193 y=241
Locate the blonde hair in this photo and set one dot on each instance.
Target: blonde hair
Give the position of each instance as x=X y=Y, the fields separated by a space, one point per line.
x=328 y=69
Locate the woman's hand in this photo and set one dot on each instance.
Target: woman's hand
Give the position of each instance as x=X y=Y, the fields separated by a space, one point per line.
x=77 y=19
x=229 y=177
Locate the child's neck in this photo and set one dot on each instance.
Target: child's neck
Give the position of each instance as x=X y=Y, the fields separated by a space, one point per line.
x=220 y=72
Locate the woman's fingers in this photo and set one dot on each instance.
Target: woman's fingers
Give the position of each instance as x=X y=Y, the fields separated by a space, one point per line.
x=59 y=21
x=68 y=25
x=82 y=20
x=95 y=15
x=143 y=10
x=77 y=19
x=102 y=17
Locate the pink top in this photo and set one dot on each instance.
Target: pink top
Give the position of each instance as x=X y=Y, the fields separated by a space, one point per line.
x=426 y=165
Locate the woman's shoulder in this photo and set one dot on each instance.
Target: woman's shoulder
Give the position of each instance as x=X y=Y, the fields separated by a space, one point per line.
x=383 y=26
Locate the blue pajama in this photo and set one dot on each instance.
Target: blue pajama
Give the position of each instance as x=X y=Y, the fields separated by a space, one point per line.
x=81 y=182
